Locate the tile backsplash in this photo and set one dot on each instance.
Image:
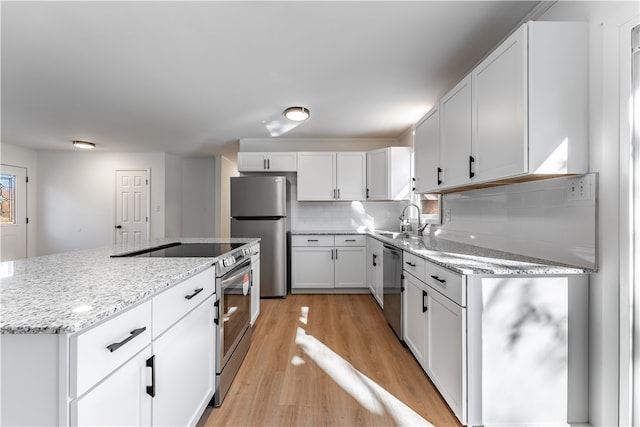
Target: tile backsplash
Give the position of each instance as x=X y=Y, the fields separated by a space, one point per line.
x=553 y=219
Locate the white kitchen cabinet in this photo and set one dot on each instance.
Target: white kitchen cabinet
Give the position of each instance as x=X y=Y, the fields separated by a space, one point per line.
x=350 y=266
x=374 y=269
x=389 y=173
x=255 y=283
x=455 y=134
x=120 y=400
x=426 y=147
x=445 y=347
x=415 y=317
x=330 y=176
x=536 y=84
x=328 y=263
x=267 y=161
x=184 y=368
x=521 y=114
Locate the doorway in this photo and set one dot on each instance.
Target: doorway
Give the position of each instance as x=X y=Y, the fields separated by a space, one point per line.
x=132 y=207
x=13 y=212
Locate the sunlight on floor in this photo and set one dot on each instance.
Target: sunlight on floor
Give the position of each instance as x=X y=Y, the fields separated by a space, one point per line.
x=369 y=394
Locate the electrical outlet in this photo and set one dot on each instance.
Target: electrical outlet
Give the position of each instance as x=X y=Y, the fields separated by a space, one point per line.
x=447 y=215
x=579 y=189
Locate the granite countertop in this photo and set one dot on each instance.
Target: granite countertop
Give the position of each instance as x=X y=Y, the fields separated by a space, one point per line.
x=463 y=258
x=66 y=292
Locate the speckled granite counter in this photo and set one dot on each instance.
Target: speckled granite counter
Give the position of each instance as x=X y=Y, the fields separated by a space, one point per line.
x=66 y=292
x=463 y=258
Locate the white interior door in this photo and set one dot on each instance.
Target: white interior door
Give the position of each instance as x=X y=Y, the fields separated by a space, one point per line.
x=132 y=219
x=13 y=213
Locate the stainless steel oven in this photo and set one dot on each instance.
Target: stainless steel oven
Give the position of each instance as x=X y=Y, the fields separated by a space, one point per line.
x=233 y=318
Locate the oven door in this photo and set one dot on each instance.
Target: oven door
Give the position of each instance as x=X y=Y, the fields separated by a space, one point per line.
x=234 y=310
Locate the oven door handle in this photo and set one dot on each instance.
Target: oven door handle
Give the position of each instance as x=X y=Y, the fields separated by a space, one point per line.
x=243 y=269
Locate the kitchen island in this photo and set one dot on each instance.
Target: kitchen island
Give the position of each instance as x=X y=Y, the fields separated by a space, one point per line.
x=58 y=312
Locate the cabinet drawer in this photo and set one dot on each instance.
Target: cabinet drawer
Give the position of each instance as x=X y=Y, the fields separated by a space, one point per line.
x=170 y=305
x=98 y=351
x=311 y=240
x=414 y=265
x=446 y=282
x=350 y=240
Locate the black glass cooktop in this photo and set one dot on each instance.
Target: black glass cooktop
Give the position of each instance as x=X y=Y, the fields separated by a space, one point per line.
x=184 y=250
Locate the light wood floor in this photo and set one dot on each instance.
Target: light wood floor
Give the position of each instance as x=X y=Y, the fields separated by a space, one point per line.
x=328 y=360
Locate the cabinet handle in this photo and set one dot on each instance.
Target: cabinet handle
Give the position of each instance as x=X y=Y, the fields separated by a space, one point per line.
x=118 y=227
x=264 y=163
x=151 y=389
x=217 y=307
x=338 y=193
x=375 y=257
x=414 y=184
x=424 y=304
x=471 y=162
x=438 y=279
x=349 y=240
x=195 y=292
x=116 y=345
x=410 y=263
x=268 y=163
x=332 y=254
x=336 y=254
x=439 y=172
x=367 y=193
x=312 y=240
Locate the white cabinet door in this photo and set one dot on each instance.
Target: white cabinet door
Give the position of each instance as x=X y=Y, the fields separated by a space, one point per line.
x=282 y=161
x=120 y=400
x=312 y=267
x=426 y=145
x=415 y=318
x=371 y=262
x=184 y=368
x=350 y=267
x=446 y=349
x=255 y=290
x=455 y=133
x=350 y=176
x=251 y=162
x=499 y=105
x=316 y=176
x=377 y=175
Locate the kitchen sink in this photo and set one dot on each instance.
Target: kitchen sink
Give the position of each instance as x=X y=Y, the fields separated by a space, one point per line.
x=398 y=235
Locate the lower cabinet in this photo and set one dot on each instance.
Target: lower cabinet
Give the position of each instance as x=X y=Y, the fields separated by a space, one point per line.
x=374 y=269
x=328 y=263
x=120 y=400
x=183 y=368
x=435 y=328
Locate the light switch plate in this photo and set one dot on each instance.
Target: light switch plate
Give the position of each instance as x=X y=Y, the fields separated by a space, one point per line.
x=579 y=189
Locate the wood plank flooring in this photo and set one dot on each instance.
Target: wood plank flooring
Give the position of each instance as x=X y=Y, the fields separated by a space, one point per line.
x=328 y=360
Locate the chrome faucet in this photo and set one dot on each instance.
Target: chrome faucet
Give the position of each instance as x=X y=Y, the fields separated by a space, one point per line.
x=404 y=222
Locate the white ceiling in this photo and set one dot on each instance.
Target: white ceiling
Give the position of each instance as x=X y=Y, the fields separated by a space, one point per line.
x=194 y=77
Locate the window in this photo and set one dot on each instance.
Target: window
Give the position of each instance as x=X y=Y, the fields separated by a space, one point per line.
x=7 y=199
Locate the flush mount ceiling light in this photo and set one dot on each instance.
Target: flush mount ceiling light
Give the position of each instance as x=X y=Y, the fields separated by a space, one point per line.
x=296 y=114
x=84 y=144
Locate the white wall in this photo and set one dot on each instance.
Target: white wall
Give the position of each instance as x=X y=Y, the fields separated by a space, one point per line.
x=14 y=155
x=198 y=197
x=173 y=196
x=76 y=197
x=227 y=170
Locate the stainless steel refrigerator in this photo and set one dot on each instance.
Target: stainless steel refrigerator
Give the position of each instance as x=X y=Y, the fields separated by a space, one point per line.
x=259 y=209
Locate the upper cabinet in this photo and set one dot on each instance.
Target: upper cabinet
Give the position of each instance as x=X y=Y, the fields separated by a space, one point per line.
x=331 y=176
x=520 y=114
x=389 y=173
x=267 y=162
x=427 y=170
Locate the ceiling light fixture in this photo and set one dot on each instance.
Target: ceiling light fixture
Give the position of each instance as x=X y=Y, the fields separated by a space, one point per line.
x=297 y=114
x=84 y=144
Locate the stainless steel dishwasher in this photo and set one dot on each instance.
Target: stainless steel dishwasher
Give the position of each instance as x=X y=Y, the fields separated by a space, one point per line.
x=392 y=288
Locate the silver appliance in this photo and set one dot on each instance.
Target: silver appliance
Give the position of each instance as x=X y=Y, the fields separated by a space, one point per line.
x=233 y=318
x=259 y=209
x=392 y=288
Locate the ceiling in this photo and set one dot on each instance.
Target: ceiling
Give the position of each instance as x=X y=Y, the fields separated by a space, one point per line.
x=191 y=78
